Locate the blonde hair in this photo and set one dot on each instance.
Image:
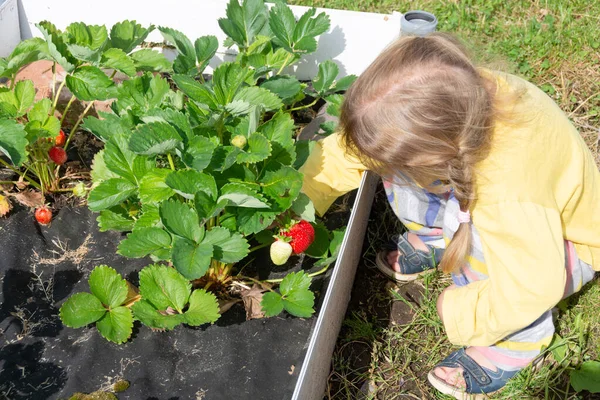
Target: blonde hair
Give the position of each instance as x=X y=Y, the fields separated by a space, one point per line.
x=423 y=110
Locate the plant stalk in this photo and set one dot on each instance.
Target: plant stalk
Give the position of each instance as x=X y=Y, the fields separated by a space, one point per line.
x=171 y=163
x=305 y=106
x=7 y=165
x=67 y=110
x=57 y=95
x=89 y=106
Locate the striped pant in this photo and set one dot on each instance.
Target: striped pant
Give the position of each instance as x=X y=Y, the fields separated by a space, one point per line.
x=434 y=218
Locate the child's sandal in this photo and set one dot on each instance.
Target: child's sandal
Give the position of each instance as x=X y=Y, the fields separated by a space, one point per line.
x=480 y=381
x=413 y=262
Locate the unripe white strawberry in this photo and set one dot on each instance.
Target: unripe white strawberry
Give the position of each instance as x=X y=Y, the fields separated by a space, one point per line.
x=280 y=252
x=239 y=141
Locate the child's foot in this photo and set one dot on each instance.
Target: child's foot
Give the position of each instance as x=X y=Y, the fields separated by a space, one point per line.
x=467 y=374
x=408 y=257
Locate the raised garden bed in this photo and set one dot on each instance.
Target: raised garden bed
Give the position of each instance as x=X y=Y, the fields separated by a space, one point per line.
x=167 y=135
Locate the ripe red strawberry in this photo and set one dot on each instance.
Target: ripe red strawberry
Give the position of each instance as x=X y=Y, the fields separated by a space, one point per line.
x=302 y=234
x=60 y=139
x=43 y=215
x=58 y=155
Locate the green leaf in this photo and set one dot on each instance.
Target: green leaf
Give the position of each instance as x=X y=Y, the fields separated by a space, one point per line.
x=116 y=325
x=334 y=104
x=153 y=188
x=127 y=35
x=320 y=246
x=245 y=22
x=111 y=220
x=251 y=221
x=286 y=87
x=110 y=193
x=123 y=162
x=181 y=220
x=108 y=126
x=99 y=171
x=207 y=207
x=117 y=59
x=272 y=304
x=150 y=60
x=344 y=83
x=144 y=241
x=81 y=309
x=298 y=300
x=325 y=78
x=188 y=182
x=304 y=208
x=40 y=111
x=195 y=90
x=148 y=315
x=154 y=138
x=141 y=94
x=89 y=83
x=303 y=150
x=307 y=29
x=24 y=95
x=282 y=185
x=198 y=153
x=150 y=217
x=13 y=142
x=283 y=23
x=203 y=308
x=259 y=97
x=56 y=47
x=93 y=37
x=587 y=377
x=328 y=128
x=228 y=247
x=26 y=52
x=206 y=47
x=240 y=195
x=185 y=62
x=164 y=287
x=279 y=131
x=191 y=260
x=259 y=149
x=108 y=286
x=227 y=80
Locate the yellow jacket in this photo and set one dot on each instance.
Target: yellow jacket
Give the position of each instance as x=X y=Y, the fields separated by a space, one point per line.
x=538 y=186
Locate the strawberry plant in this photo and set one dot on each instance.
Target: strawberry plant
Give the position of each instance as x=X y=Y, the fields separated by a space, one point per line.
x=31 y=138
x=201 y=171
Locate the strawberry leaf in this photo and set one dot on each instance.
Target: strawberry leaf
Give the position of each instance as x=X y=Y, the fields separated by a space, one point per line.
x=304 y=208
x=258 y=149
x=115 y=219
x=154 y=138
x=244 y=22
x=57 y=49
x=241 y=195
x=227 y=80
x=117 y=59
x=123 y=162
x=150 y=60
x=195 y=91
x=207 y=207
x=127 y=35
x=198 y=153
x=286 y=87
x=181 y=220
x=188 y=182
x=206 y=47
x=108 y=286
x=150 y=316
x=116 y=325
x=150 y=217
x=12 y=141
x=307 y=28
x=89 y=83
x=251 y=221
x=153 y=188
x=107 y=127
x=81 y=309
x=144 y=241
x=164 y=287
x=257 y=96
x=325 y=79
x=320 y=245
x=191 y=260
x=272 y=304
x=298 y=300
x=282 y=185
x=587 y=377
x=334 y=104
x=185 y=62
x=228 y=247
x=24 y=93
x=110 y=193
x=203 y=308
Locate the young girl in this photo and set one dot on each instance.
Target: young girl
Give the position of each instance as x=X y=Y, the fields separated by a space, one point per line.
x=493 y=184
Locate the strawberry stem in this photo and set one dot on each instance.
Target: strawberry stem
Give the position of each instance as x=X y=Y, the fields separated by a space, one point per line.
x=260 y=246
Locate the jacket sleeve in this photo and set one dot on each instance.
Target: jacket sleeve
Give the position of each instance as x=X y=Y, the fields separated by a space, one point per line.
x=525 y=258
x=330 y=173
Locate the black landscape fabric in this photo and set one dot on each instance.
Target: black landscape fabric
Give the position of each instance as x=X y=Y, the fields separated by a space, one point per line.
x=42 y=359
